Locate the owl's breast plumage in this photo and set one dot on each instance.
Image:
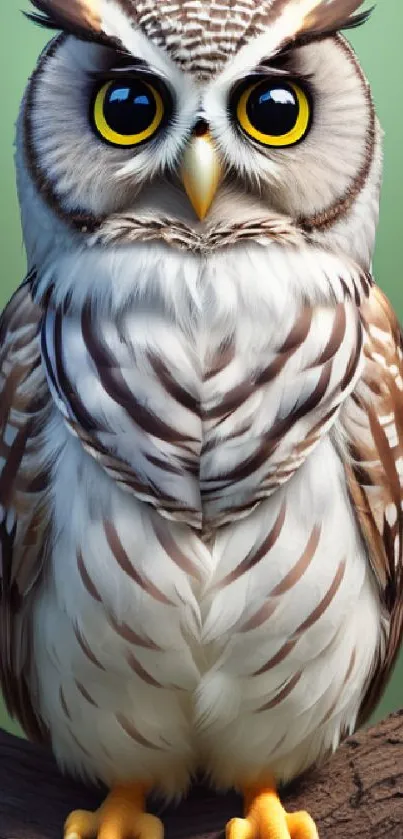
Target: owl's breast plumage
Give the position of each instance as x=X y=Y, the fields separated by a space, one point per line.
x=198 y=622
x=154 y=646
x=204 y=398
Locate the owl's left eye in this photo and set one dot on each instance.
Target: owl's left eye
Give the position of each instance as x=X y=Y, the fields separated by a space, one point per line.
x=128 y=112
x=274 y=112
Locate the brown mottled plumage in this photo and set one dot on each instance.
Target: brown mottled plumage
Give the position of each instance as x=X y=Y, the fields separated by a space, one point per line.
x=24 y=500
x=373 y=422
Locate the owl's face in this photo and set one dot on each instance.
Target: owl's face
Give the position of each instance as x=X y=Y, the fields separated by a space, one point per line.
x=205 y=112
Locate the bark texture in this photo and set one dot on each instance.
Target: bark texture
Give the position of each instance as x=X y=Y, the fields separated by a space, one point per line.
x=359 y=793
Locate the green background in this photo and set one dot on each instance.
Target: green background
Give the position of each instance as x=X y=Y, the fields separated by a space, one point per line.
x=379 y=45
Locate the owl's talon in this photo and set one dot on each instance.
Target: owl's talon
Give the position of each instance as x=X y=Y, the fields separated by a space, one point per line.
x=265 y=818
x=121 y=816
x=301 y=826
x=239 y=829
x=82 y=824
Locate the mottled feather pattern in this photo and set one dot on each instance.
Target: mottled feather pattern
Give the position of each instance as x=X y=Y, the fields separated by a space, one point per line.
x=200 y=35
x=130 y=228
x=160 y=589
x=223 y=430
x=24 y=486
x=372 y=420
x=175 y=415
x=152 y=617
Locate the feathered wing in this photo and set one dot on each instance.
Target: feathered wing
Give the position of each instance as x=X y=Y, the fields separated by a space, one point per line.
x=25 y=408
x=373 y=422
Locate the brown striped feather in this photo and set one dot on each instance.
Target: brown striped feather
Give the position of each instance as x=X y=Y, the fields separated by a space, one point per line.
x=176 y=25
x=128 y=229
x=86 y=579
x=315 y=615
x=167 y=541
x=181 y=396
x=63 y=703
x=140 y=671
x=271 y=440
x=336 y=337
x=127 y=633
x=221 y=359
x=84 y=692
x=86 y=649
x=255 y=556
x=292 y=578
x=321 y=404
x=324 y=604
x=373 y=422
x=113 y=382
x=135 y=735
x=127 y=566
x=282 y=694
x=24 y=484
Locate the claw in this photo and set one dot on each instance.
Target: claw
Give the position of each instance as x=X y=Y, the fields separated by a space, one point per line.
x=82 y=824
x=301 y=826
x=239 y=829
x=265 y=818
x=121 y=816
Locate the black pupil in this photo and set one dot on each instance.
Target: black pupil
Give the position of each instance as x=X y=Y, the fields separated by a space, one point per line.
x=129 y=107
x=273 y=108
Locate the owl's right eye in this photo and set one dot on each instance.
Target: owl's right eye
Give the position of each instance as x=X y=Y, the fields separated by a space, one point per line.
x=274 y=112
x=128 y=112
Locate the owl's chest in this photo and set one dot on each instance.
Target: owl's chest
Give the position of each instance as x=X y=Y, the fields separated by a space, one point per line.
x=204 y=399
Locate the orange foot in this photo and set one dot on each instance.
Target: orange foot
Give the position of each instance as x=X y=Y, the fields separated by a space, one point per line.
x=121 y=816
x=265 y=818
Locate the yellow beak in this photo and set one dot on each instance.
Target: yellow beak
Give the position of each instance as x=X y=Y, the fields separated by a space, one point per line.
x=201 y=173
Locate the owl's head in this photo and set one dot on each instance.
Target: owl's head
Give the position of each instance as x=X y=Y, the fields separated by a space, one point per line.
x=205 y=112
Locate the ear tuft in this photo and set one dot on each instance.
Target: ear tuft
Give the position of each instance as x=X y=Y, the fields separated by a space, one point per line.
x=68 y=14
x=332 y=16
x=313 y=19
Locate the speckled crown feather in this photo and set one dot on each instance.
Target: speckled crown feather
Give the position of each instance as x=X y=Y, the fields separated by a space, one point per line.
x=200 y=34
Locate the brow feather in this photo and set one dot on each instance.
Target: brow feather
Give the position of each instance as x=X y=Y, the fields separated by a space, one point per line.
x=58 y=17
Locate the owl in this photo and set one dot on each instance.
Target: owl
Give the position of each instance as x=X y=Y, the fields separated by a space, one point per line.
x=201 y=434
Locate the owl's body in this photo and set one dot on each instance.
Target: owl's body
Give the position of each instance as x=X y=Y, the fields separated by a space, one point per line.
x=164 y=629
x=201 y=489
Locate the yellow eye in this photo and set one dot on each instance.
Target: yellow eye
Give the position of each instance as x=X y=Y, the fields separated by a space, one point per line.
x=127 y=112
x=274 y=112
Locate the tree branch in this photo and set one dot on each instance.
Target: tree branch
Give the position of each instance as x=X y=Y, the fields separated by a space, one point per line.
x=359 y=793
